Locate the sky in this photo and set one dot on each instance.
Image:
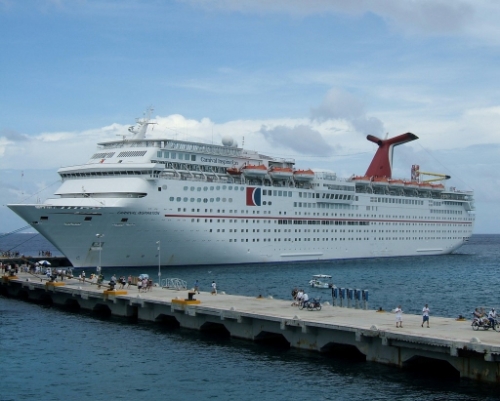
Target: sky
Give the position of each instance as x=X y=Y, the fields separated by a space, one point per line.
x=290 y=78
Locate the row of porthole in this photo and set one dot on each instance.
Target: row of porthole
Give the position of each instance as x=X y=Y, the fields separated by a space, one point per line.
x=204 y=200
x=217 y=188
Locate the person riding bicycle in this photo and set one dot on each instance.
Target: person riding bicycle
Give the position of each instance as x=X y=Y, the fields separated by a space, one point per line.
x=492 y=315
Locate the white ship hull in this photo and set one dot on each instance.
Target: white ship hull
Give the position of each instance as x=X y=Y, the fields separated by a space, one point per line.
x=103 y=215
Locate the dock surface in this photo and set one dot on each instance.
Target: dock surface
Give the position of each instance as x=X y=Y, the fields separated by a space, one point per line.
x=373 y=334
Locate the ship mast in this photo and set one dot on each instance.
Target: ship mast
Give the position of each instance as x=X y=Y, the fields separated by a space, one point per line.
x=139 y=130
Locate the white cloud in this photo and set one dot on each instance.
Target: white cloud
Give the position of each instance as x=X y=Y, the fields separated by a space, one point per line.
x=339 y=104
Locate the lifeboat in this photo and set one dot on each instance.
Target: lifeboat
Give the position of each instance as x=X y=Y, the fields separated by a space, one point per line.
x=411 y=184
x=380 y=181
x=233 y=171
x=280 y=173
x=437 y=187
x=251 y=170
x=425 y=185
x=303 y=175
x=397 y=183
x=362 y=179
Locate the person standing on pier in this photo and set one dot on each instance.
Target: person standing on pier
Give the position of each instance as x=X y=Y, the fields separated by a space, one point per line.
x=425 y=315
x=83 y=276
x=214 y=288
x=197 y=286
x=492 y=315
x=399 y=316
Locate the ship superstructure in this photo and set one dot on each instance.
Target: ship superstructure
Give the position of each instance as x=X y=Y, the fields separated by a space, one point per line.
x=221 y=204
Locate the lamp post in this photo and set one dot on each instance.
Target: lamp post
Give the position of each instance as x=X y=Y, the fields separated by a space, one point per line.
x=100 y=249
x=159 y=269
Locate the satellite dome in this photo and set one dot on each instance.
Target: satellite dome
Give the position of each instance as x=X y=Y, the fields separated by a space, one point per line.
x=227 y=141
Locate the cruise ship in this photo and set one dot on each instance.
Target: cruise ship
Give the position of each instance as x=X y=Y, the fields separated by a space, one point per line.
x=150 y=201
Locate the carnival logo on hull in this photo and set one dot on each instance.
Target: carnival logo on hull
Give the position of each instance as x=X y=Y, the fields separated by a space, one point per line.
x=254 y=196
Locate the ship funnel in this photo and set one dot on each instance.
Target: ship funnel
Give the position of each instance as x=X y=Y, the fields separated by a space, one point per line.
x=381 y=165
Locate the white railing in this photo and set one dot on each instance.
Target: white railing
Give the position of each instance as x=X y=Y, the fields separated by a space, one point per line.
x=174 y=283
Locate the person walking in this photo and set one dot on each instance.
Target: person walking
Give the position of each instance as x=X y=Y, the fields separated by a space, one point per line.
x=399 y=316
x=214 y=288
x=425 y=315
x=197 y=287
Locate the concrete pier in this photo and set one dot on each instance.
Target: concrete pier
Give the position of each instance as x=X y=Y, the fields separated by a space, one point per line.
x=365 y=334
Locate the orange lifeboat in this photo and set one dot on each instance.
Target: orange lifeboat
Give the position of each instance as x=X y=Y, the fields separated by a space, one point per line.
x=437 y=187
x=280 y=173
x=362 y=179
x=380 y=181
x=233 y=171
x=251 y=170
x=303 y=175
x=396 y=183
x=411 y=184
x=425 y=185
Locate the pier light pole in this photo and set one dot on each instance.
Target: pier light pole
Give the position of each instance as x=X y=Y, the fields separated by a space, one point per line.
x=159 y=268
x=99 y=236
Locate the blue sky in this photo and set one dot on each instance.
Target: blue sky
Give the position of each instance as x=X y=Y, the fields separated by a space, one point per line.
x=303 y=79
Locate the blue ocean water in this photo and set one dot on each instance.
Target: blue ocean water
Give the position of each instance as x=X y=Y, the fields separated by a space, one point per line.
x=49 y=354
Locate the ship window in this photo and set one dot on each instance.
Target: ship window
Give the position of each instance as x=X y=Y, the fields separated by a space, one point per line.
x=223 y=187
x=185 y=199
x=178 y=199
x=217 y=199
x=165 y=154
x=198 y=200
x=193 y=158
x=124 y=220
x=173 y=155
x=185 y=188
x=159 y=189
x=171 y=198
x=88 y=218
x=44 y=217
x=192 y=188
x=198 y=189
x=158 y=154
x=192 y=199
x=186 y=157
